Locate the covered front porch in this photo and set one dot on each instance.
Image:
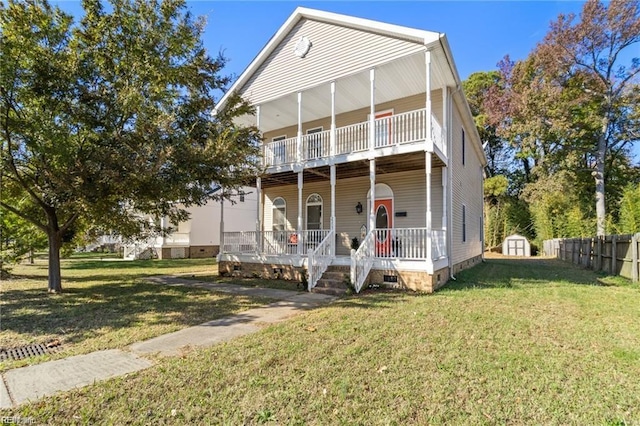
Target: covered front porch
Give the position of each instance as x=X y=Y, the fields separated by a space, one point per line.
x=364 y=215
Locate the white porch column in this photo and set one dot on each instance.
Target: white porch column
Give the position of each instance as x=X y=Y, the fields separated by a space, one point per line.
x=163 y=224
x=427 y=60
x=300 y=185
x=299 y=144
x=332 y=134
x=259 y=214
x=221 y=221
x=427 y=168
x=372 y=107
x=333 y=197
x=372 y=185
x=258 y=195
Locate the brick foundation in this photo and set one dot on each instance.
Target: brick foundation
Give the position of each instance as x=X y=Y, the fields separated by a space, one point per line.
x=409 y=280
x=259 y=270
x=467 y=264
x=201 y=252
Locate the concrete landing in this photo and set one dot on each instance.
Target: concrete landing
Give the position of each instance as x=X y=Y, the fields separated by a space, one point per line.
x=36 y=381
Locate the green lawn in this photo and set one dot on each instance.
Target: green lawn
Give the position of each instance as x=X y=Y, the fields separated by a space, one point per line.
x=510 y=342
x=105 y=305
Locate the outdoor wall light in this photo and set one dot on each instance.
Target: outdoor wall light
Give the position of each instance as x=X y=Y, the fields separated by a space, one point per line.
x=359 y=208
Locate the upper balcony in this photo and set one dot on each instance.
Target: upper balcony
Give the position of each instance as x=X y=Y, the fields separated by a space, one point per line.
x=393 y=134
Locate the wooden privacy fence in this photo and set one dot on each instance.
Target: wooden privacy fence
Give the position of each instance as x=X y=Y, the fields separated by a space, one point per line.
x=613 y=254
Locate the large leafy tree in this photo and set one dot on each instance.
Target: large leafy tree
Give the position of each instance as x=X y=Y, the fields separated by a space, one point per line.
x=109 y=119
x=590 y=54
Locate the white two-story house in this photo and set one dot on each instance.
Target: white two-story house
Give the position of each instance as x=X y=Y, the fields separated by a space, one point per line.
x=373 y=165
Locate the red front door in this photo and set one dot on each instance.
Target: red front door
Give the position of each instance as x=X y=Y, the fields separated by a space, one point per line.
x=384 y=223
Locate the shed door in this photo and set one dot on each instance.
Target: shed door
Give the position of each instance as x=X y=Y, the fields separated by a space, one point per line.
x=515 y=247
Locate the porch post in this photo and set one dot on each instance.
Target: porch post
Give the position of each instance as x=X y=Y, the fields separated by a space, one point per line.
x=259 y=215
x=372 y=108
x=300 y=184
x=427 y=168
x=221 y=249
x=163 y=224
x=333 y=197
x=299 y=143
x=332 y=134
x=429 y=141
x=258 y=196
x=372 y=185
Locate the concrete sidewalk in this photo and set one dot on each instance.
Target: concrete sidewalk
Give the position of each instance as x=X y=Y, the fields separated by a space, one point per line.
x=30 y=383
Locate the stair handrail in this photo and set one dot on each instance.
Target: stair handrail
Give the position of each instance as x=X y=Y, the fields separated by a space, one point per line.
x=319 y=259
x=362 y=261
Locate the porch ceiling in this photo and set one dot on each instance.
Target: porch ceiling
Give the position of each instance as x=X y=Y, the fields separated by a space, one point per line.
x=384 y=165
x=397 y=79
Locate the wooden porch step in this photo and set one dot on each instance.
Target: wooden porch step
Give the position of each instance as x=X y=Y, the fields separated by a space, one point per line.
x=344 y=269
x=330 y=283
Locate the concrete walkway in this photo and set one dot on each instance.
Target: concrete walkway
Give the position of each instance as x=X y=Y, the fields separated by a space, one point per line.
x=30 y=383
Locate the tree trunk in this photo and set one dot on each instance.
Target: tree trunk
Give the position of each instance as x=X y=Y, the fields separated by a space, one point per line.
x=598 y=175
x=55 y=279
x=55 y=242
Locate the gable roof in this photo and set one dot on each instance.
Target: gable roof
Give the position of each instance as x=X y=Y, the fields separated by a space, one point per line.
x=413 y=35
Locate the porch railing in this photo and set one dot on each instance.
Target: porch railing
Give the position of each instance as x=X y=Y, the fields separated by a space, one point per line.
x=409 y=243
x=397 y=129
x=239 y=242
x=177 y=238
x=273 y=242
x=320 y=258
x=362 y=261
x=438 y=244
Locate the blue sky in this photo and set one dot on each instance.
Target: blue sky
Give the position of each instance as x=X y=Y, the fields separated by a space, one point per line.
x=480 y=33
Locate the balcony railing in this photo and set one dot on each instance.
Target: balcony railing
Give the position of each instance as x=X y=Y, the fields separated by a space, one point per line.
x=395 y=130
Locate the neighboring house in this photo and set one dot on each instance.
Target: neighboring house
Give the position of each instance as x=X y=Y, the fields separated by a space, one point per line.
x=199 y=236
x=367 y=136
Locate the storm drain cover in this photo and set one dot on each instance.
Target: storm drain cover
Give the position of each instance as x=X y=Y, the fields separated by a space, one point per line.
x=30 y=350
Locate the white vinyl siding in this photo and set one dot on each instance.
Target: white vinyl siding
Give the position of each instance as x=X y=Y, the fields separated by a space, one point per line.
x=336 y=51
x=409 y=196
x=467 y=190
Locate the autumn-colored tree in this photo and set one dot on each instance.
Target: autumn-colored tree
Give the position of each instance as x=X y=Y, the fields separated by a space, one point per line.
x=589 y=54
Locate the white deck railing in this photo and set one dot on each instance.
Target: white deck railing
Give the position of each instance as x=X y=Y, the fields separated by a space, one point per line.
x=408 y=127
x=281 y=152
x=320 y=258
x=362 y=261
x=438 y=244
x=316 y=145
x=239 y=242
x=273 y=242
x=352 y=138
x=177 y=238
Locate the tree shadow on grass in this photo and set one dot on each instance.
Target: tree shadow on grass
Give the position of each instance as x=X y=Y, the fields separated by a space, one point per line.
x=518 y=273
x=82 y=311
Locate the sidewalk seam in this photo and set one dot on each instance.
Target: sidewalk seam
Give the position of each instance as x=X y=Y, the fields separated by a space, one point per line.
x=6 y=386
